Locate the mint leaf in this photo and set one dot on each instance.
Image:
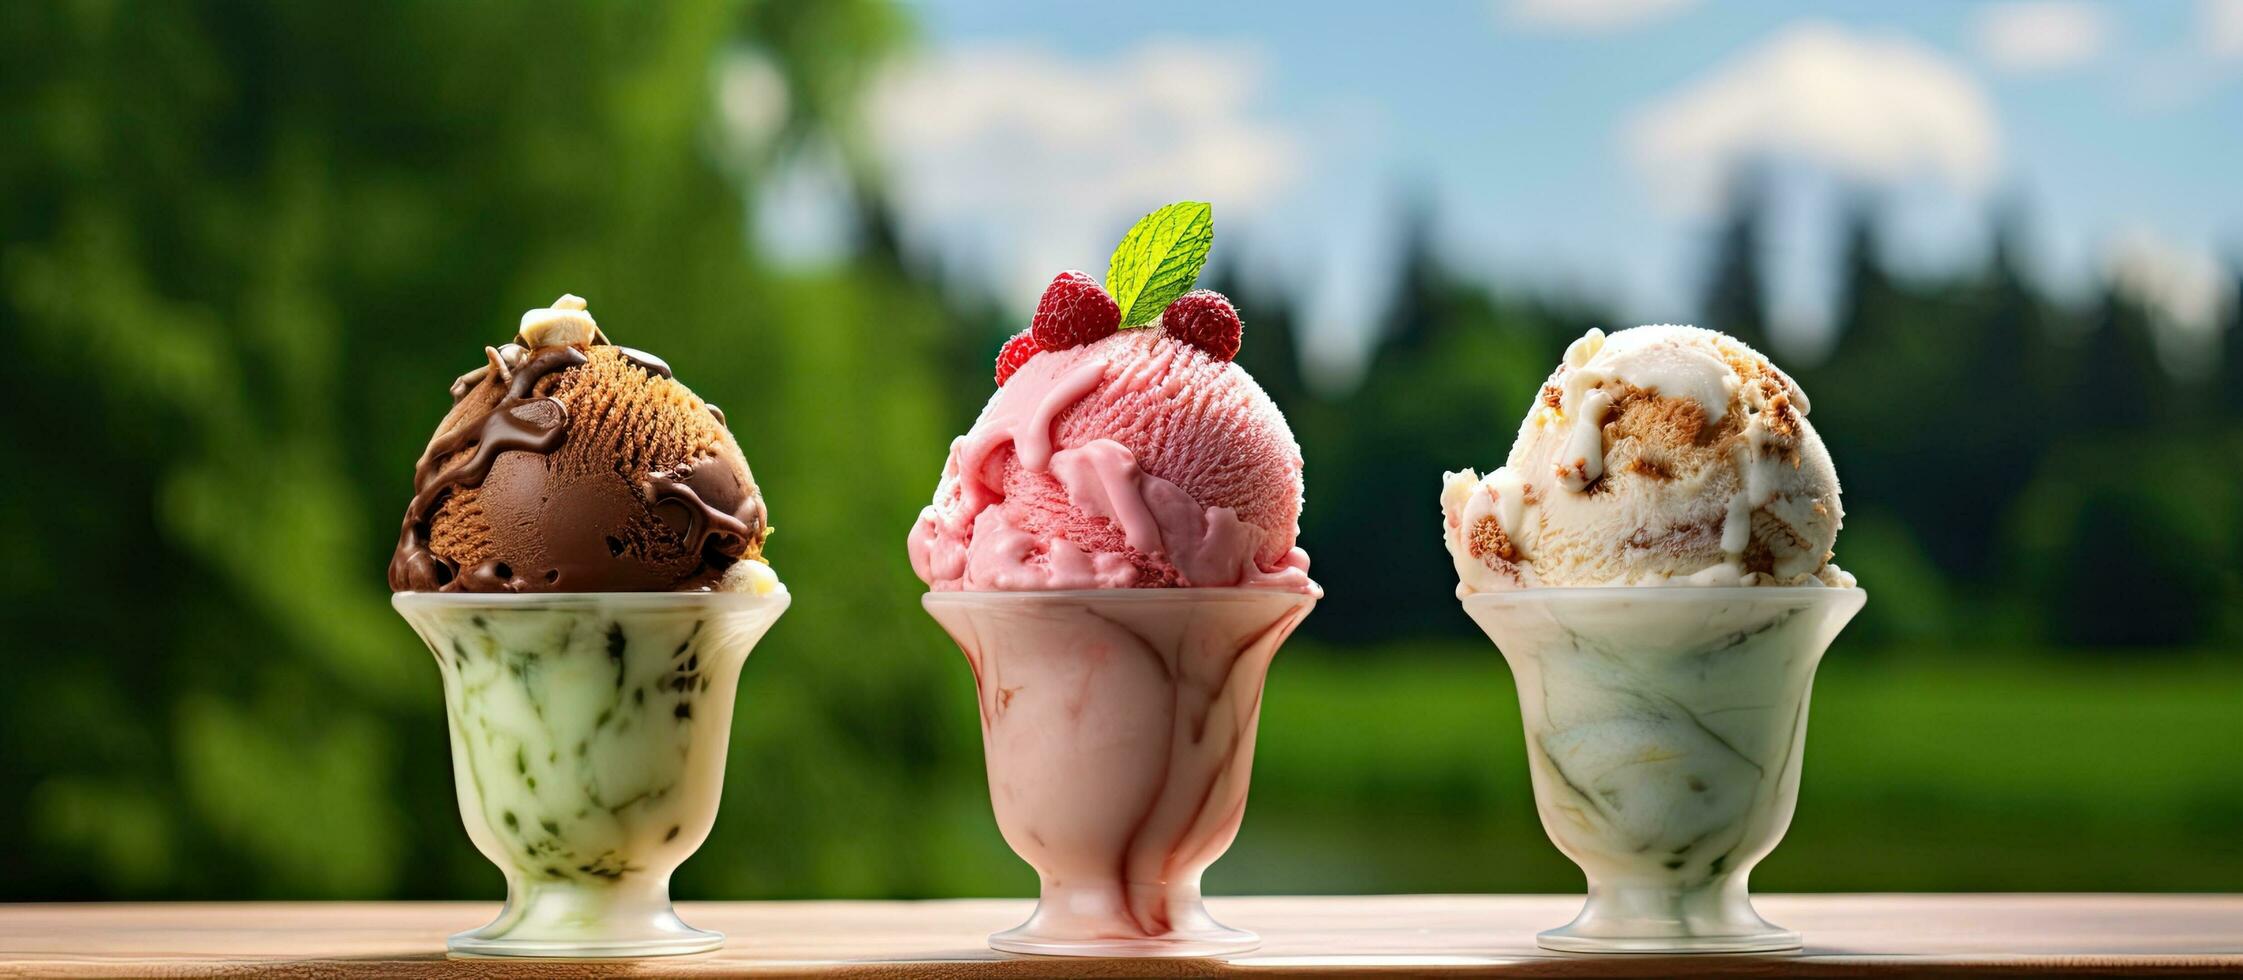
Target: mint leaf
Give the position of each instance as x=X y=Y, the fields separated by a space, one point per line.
x=1159 y=260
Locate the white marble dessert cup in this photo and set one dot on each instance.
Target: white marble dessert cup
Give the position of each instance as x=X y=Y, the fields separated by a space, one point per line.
x=1118 y=727
x=1664 y=728
x=588 y=740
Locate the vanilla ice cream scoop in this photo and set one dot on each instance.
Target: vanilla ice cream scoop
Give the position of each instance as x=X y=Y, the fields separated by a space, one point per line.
x=1656 y=455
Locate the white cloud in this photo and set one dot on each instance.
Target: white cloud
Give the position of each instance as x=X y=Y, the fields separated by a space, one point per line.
x=1037 y=163
x=2220 y=24
x=2209 y=57
x=2040 y=36
x=2186 y=290
x=1878 y=108
x=1587 y=16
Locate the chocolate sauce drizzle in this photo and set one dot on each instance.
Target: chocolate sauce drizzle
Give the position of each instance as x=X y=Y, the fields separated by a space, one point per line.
x=732 y=533
x=505 y=360
x=517 y=421
x=647 y=362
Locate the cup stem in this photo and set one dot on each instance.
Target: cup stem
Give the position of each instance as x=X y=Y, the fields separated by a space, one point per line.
x=1715 y=916
x=1159 y=919
x=630 y=917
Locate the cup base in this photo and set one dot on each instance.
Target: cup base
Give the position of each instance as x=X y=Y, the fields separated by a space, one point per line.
x=691 y=941
x=1565 y=940
x=1218 y=941
x=1716 y=918
x=665 y=935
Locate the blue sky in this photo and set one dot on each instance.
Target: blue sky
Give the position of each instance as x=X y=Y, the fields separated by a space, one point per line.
x=1575 y=147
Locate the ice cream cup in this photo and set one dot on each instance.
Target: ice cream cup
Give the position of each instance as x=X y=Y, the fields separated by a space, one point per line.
x=1664 y=728
x=588 y=741
x=1118 y=727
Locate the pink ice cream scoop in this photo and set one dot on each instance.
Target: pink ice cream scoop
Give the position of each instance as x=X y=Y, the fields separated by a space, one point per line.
x=1134 y=461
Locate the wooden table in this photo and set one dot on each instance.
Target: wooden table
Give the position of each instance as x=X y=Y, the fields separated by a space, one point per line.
x=1847 y=935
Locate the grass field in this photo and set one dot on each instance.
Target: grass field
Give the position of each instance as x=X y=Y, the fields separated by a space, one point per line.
x=1925 y=770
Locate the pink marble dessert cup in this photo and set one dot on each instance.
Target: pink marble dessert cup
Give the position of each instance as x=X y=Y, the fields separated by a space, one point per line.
x=1118 y=727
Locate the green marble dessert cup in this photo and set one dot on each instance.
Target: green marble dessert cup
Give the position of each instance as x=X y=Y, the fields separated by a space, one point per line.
x=1664 y=727
x=588 y=738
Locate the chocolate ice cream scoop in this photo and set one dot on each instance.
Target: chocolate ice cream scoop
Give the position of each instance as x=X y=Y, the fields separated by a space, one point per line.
x=570 y=464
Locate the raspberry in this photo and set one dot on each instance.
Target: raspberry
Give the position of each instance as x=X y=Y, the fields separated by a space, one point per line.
x=1204 y=319
x=1015 y=353
x=1075 y=311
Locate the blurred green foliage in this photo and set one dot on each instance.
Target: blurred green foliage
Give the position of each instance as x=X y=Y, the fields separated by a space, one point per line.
x=246 y=246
